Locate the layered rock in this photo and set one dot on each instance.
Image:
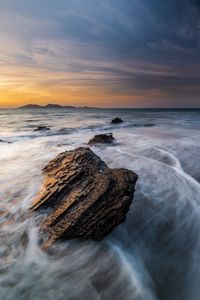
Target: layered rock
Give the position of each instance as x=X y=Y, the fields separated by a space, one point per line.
x=105 y=138
x=82 y=197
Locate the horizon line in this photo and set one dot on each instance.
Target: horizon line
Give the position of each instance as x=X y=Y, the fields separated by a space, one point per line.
x=95 y=107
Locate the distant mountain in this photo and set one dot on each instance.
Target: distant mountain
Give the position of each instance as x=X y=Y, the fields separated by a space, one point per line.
x=55 y=106
x=51 y=106
x=30 y=106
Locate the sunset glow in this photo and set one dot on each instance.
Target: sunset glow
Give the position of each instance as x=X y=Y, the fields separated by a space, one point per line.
x=99 y=53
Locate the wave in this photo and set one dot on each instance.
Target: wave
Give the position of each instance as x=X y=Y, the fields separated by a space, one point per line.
x=154 y=255
x=66 y=131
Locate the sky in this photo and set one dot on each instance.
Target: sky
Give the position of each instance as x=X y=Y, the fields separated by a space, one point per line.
x=104 y=53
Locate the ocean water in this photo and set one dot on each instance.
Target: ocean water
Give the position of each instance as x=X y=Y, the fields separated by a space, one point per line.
x=154 y=255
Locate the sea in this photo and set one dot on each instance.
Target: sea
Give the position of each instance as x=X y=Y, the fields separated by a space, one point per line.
x=153 y=255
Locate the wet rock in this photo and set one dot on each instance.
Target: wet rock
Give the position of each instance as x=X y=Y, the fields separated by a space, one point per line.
x=2 y=141
x=42 y=128
x=63 y=145
x=106 y=138
x=116 y=121
x=82 y=197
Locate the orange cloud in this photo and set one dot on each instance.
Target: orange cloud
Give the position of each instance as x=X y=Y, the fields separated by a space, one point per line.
x=22 y=85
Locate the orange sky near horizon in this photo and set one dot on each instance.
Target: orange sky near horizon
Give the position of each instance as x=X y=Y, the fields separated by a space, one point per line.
x=76 y=97
x=26 y=85
x=99 y=53
x=21 y=85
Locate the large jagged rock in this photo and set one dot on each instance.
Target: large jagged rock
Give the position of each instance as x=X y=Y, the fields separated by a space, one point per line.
x=82 y=197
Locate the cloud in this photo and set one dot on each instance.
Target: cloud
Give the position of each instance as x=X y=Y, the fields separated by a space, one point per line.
x=125 y=48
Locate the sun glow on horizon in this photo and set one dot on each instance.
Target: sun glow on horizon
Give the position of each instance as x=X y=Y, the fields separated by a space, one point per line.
x=25 y=85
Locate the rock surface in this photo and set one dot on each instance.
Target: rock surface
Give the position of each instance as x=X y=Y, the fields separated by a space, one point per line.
x=2 y=141
x=116 y=121
x=106 y=138
x=82 y=197
x=42 y=128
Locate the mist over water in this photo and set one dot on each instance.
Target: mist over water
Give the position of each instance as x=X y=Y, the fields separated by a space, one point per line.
x=154 y=255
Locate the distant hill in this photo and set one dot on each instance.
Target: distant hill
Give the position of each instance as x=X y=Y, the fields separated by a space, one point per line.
x=30 y=106
x=51 y=106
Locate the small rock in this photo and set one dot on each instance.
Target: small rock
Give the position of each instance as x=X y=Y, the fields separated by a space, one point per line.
x=116 y=121
x=82 y=197
x=106 y=138
x=42 y=128
x=2 y=141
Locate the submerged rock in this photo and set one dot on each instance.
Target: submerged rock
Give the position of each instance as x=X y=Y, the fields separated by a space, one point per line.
x=42 y=128
x=2 y=141
x=82 y=197
x=116 y=121
x=106 y=138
